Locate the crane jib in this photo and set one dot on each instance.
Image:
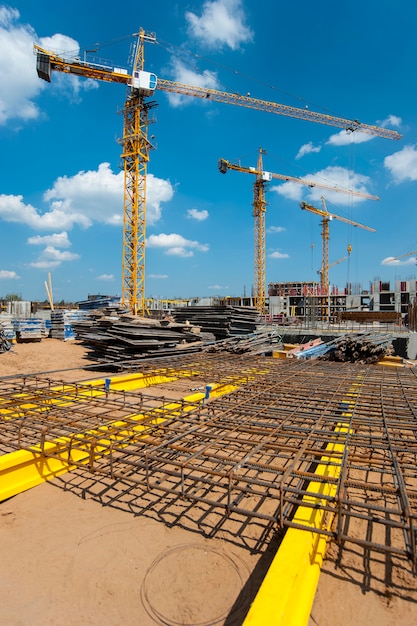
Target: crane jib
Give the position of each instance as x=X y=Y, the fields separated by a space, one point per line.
x=48 y=62
x=274 y=107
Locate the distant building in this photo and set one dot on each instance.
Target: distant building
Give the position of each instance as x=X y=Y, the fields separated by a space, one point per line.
x=305 y=299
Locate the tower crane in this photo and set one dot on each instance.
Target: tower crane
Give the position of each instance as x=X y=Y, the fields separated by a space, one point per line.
x=259 y=213
x=325 y=235
x=136 y=146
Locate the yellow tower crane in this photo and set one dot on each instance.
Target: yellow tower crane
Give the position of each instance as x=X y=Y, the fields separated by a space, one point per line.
x=325 y=235
x=259 y=213
x=136 y=146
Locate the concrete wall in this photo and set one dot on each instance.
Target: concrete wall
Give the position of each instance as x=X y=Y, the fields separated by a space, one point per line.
x=412 y=346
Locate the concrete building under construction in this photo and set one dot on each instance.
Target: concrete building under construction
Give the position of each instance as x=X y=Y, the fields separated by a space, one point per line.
x=306 y=299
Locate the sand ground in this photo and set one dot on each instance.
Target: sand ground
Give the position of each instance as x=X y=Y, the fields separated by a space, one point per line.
x=99 y=560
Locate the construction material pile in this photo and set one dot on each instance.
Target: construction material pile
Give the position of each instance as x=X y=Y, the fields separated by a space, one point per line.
x=29 y=329
x=117 y=339
x=223 y=321
x=359 y=348
x=62 y=323
x=114 y=337
x=259 y=342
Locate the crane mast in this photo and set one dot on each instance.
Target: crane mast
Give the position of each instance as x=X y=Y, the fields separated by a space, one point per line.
x=136 y=147
x=259 y=214
x=325 y=236
x=135 y=155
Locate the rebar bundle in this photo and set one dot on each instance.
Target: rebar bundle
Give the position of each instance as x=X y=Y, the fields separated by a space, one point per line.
x=358 y=348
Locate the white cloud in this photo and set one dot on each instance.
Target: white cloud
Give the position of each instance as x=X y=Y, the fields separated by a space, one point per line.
x=278 y=255
x=289 y=190
x=62 y=45
x=222 y=23
x=391 y=120
x=51 y=258
x=200 y=216
x=71 y=87
x=403 y=164
x=158 y=190
x=186 y=76
x=98 y=194
x=6 y=274
x=18 y=67
x=345 y=138
x=332 y=176
x=218 y=287
x=44 y=264
x=82 y=199
x=13 y=209
x=106 y=277
x=275 y=229
x=68 y=84
x=158 y=276
x=175 y=245
x=391 y=260
x=307 y=148
x=58 y=240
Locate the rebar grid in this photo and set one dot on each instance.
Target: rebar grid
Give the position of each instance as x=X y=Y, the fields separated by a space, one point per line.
x=33 y=413
x=338 y=438
x=214 y=368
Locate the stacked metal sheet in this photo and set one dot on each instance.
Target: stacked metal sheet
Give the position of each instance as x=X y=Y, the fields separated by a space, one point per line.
x=29 y=329
x=115 y=338
x=62 y=322
x=222 y=321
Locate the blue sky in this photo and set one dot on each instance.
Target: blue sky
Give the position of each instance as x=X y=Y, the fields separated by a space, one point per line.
x=61 y=187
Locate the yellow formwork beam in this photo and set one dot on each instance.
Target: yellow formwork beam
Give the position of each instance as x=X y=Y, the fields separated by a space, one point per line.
x=286 y=595
x=24 y=469
x=68 y=394
x=287 y=592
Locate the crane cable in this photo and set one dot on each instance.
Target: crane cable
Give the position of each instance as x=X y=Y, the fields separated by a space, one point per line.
x=184 y=54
